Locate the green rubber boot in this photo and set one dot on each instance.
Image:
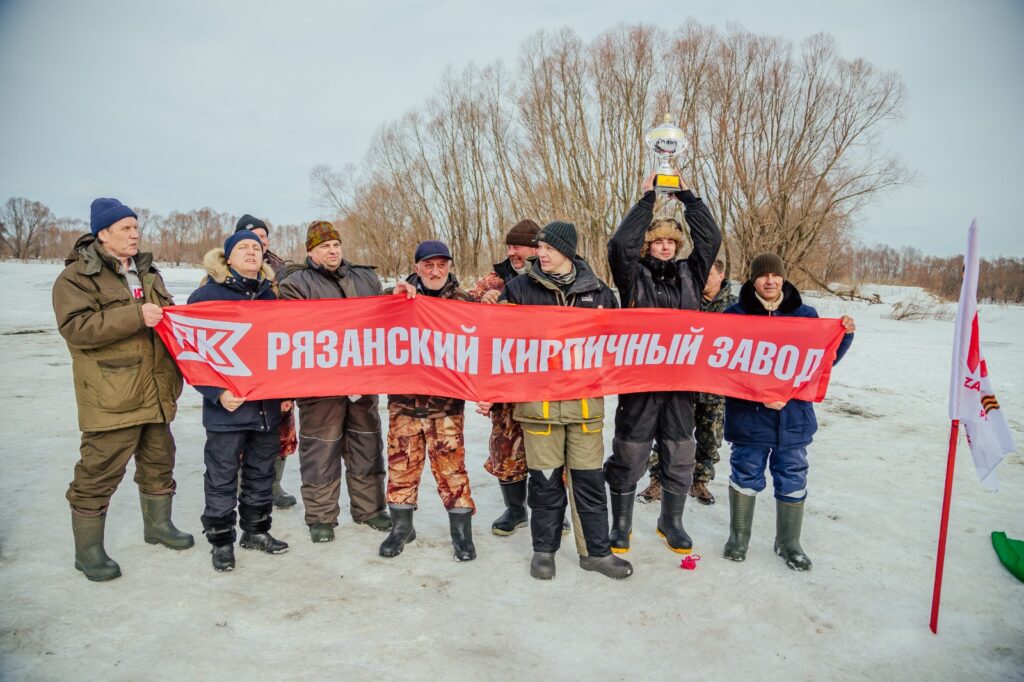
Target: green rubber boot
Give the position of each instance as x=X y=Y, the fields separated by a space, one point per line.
x=789 y=519
x=282 y=500
x=741 y=518
x=157 y=526
x=90 y=557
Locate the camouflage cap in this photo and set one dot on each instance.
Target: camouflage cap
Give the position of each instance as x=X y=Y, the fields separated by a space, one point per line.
x=318 y=232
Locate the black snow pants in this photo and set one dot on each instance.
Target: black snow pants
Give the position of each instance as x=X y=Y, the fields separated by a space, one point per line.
x=259 y=451
x=639 y=419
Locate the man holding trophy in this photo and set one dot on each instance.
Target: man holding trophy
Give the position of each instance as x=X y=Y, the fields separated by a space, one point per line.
x=649 y=273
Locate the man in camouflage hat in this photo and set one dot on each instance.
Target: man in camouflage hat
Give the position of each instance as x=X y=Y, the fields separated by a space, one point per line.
x=337 y=428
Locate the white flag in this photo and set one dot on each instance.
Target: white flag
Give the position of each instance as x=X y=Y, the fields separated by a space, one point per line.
x=972 y=399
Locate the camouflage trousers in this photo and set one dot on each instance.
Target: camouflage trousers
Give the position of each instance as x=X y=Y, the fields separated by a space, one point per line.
x=409 y=441
x=289 y=438
x=507 y=458
x=709 y=422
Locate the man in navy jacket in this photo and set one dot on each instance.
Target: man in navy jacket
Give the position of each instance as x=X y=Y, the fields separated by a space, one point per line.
x=236 y=426
x=773 y=434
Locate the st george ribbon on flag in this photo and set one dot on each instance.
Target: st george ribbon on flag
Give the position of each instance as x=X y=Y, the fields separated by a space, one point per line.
x=972 y=399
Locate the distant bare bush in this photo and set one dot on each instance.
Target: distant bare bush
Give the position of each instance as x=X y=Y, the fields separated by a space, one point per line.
x=921 y=306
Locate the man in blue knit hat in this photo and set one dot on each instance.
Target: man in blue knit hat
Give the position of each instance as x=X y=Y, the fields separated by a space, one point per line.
x=107 y=301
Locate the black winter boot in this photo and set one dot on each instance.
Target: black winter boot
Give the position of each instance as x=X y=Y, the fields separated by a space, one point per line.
x=609 y=565
x=741 y=519
x=223 y=558
x=515 y=515
x=670 y=523
x=282 y=500
x=542 y=566
x=220 y=533
x=90 y=557
x=402 y=530
x=460 y=521
x=789 y=518
x=255 y=522
x=622 y=519
x=157 y=525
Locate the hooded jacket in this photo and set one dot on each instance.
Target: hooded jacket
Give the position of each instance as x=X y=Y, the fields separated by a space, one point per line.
x=223 y=284
x=587 y=291
x=751 y=423
x=123 y=374
x=644 y=282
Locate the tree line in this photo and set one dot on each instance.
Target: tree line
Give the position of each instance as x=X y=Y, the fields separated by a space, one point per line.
x=783 y=144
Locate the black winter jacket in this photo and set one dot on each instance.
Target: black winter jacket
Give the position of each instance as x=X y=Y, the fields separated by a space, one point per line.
x=533 y=288
x=223 y=284
x=679 y=287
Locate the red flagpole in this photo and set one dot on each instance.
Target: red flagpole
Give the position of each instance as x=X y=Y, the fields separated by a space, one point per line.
x=954 y=429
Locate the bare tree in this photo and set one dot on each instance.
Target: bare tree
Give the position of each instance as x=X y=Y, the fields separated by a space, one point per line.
x=22 y=223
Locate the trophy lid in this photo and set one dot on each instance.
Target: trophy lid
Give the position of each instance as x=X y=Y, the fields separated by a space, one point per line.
x=667 y=139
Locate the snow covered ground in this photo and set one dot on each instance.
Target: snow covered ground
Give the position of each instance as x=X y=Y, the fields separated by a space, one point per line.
x=338 y=611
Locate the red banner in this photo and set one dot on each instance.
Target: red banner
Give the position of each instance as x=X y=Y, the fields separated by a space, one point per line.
x=494 y=353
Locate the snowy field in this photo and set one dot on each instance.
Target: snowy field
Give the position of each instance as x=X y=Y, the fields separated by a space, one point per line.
x=338 y=611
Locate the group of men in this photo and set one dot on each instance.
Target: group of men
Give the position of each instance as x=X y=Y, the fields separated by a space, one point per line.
x=547 y=455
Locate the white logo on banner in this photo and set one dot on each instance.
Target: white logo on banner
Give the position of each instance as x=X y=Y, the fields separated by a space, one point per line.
x=211 y=341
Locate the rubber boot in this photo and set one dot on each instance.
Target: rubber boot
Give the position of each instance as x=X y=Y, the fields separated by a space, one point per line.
x=379 y=522
x=789 y=519
x=90 y=557
x=670 y=523
x=282 y=500
x=515 y=515
x=622 y=519
x=609 y=565
x=542 y=566
x=402 y=530
x=157 y=525
x=741 y=519
x=460 y=522
x=321 y=532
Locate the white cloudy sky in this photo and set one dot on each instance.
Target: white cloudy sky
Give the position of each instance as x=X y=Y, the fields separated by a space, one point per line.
x=229 y=104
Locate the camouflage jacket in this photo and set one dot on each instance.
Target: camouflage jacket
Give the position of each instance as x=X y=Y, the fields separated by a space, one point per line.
x=429 y=406
x=722 y=300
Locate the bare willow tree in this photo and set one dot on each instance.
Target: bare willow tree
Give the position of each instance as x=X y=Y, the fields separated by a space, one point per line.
x=23 y=223
x=783 y=144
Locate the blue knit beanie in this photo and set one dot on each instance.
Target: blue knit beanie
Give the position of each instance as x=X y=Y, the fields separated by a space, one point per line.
x=232 y=241
x=105 y=212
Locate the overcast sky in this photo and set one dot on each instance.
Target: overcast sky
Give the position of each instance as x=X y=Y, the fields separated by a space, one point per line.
x=179 y=105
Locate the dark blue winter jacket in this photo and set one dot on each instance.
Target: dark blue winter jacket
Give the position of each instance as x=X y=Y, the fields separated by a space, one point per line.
x=224 y=284
x=751 y=423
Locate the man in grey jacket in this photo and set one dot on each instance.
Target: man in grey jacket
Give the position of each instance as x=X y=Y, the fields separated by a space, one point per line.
x=338 y=427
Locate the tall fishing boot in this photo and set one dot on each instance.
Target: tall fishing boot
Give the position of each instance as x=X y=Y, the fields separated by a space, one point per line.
x=515 y=515
x=789 y=519
x=157 y=525
x=609 y=565
x=402 y=530
x=622 y=519
x=741 y=520
x=460 y=521
x=90 y=557
x=282 y=500
x=670 y=523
